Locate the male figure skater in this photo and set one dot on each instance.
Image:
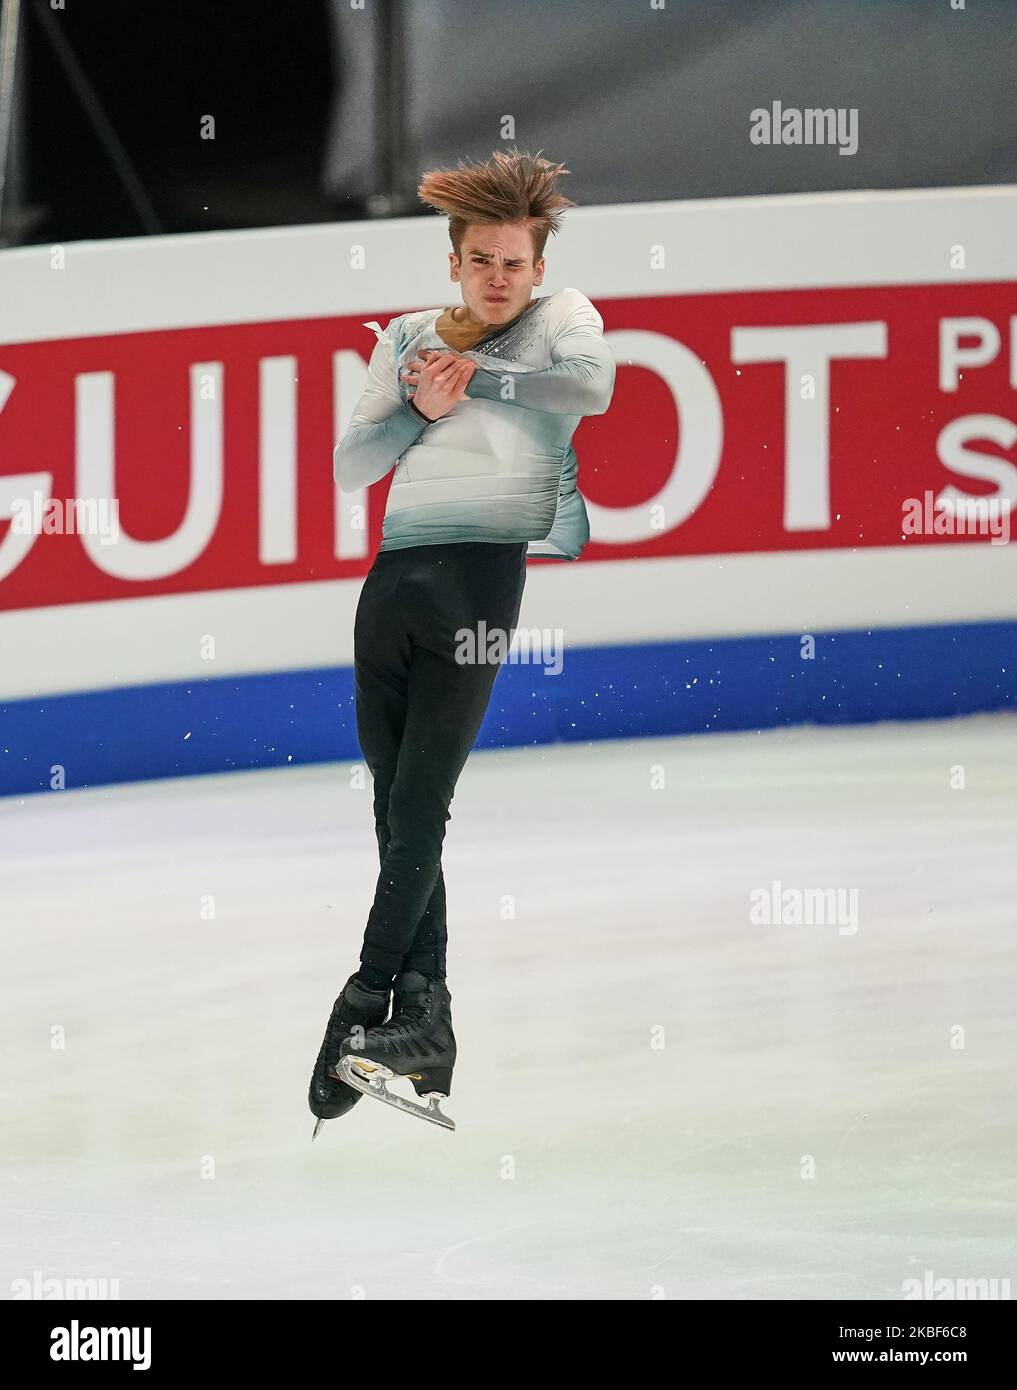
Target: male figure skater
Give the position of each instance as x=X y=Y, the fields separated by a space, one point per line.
x=475 y=407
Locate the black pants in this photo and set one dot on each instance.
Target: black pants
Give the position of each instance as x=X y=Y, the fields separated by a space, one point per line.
x=419 y=711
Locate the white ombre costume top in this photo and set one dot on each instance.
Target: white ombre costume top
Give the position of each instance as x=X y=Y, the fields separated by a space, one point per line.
x=500 y=465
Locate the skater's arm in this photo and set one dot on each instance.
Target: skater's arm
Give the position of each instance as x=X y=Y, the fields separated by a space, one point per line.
x=580 y=382
x=381 y=429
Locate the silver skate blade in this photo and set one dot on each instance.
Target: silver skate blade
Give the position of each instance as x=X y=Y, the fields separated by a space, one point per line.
x=317 y=1126
x=375 y=1086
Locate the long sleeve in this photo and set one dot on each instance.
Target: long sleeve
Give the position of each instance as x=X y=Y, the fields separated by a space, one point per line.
x=382 y=426
x=580 y=382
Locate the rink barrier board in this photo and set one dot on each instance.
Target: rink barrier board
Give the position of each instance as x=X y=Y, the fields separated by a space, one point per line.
x=651 y=689
x=108 y=680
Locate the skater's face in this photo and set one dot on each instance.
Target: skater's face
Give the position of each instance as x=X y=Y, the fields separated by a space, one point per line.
x=497 y=271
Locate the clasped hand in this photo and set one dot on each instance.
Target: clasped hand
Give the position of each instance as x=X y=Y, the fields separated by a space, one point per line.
x=438 y=378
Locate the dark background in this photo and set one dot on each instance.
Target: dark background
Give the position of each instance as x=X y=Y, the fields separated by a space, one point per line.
x=264 y=71
x=326 y=113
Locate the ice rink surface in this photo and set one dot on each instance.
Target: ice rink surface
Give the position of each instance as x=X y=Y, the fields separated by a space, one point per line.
x=655 y=1096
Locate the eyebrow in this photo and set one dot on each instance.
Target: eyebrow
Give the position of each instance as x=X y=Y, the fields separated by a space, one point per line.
x=486 y=255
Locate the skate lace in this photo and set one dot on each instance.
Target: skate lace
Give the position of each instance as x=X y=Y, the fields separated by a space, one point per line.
x=410 y=1016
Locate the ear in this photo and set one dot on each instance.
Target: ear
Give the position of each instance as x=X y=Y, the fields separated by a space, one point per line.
x=453 y=267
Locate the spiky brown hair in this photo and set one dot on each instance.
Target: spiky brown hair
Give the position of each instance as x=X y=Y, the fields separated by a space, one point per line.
x=510 y=187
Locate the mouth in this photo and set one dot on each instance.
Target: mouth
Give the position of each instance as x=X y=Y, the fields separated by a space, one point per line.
x=497 y=299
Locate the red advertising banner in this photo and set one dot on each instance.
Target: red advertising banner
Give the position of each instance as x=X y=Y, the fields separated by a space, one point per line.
x=741 y=422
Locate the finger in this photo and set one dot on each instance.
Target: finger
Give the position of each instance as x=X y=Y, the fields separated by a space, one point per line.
x=448 y=374
x=433 y=369
x=462 y=379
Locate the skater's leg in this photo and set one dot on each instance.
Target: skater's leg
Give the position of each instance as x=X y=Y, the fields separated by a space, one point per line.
x=427 y=953
x=446 y=707
x=382 y=652
x=482 y=583
x=449 y=590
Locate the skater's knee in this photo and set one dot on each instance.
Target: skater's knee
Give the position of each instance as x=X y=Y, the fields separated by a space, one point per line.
x=417 y=834
x=422 y=848
x=417 y=804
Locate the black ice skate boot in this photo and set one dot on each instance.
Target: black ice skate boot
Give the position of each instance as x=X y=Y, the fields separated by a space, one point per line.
x=356 y=1008
x=416 y=1043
